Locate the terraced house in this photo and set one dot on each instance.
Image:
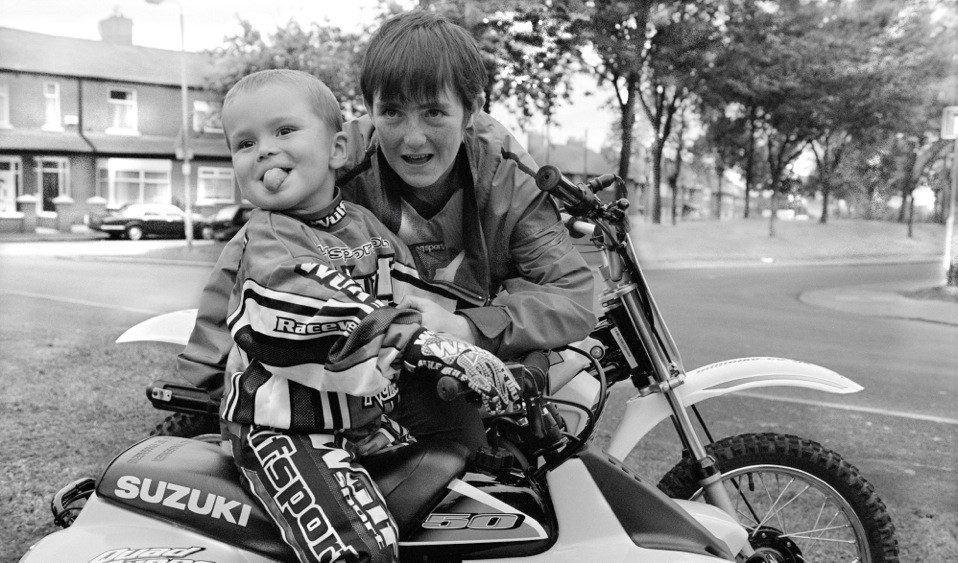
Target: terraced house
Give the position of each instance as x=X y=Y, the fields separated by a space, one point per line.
x=86 y=125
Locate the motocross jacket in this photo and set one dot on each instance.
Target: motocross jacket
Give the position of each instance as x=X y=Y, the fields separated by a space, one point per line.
x=319 y=352
x=524 y=287
x=530 y=289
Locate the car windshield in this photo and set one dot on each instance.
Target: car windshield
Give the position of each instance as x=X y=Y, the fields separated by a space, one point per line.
x=149 y=209
x=226 y=214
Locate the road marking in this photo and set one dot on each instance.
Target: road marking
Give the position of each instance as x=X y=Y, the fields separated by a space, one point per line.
x=79 y=302
x=870 y=410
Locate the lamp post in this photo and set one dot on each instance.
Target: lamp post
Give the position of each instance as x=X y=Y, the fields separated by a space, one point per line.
x=187 y=169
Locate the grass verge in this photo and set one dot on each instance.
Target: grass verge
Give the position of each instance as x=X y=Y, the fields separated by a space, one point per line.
x=71 y=404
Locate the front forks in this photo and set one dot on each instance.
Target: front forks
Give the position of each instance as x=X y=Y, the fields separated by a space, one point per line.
x=668 y=373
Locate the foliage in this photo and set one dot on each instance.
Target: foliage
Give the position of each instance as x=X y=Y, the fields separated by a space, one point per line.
x=529 y=48
x=324 y=51
x=651 y=55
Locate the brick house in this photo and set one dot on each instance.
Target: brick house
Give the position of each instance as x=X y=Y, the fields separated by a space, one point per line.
x=86 y=125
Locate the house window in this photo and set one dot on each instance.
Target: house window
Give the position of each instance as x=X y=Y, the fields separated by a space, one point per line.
x=206 y=117
x=215 y=185
x=11 y=178
x=53 y=180
x=123 y=103
x=51 y=104
x=134 y=180
x=5 y=106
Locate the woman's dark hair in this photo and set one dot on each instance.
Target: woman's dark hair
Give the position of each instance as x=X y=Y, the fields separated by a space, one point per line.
x=414 y=56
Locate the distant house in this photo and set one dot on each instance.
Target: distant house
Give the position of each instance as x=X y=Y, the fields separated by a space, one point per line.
x=91 y=124
x=579 y=163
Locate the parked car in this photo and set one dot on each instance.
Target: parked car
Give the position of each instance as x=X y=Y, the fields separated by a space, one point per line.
x=139 y=220
x=229 y=219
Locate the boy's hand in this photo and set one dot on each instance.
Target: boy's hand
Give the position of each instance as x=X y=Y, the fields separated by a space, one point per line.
x=437 y=319
x=478 y=369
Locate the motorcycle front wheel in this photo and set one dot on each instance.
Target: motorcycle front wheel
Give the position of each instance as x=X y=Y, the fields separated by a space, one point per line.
x=798 y=500
x=203 y=427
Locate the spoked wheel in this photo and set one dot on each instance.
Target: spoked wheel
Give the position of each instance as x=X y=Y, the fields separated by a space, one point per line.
x=202 y=427
x=798 y=500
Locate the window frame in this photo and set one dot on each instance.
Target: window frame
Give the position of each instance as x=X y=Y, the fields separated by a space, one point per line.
x=214 y=173
x=108 y=169
x=52 y=110
x=203 y=113
x=117 y=128
x=16 y=167
x=5 y=106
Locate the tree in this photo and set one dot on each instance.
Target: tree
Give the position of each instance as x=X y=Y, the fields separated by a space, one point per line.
x=889 y=62
x=651 y=54
x=326 y=52
x=530 y=49
x=617 y=33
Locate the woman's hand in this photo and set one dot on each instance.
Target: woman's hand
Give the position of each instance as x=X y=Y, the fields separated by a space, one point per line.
x=437 y=319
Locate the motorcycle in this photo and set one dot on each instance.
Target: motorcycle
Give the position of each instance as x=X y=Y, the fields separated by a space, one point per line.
x=542 y=491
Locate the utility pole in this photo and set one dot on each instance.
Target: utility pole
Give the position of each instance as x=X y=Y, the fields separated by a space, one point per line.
x=185 y=140
x=949 y=130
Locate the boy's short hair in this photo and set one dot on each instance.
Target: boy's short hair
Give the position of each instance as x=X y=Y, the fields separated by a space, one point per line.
x=414 y=56
x=321 y=98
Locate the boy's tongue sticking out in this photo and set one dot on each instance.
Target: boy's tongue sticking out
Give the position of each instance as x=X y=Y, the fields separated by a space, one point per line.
x=274 y=178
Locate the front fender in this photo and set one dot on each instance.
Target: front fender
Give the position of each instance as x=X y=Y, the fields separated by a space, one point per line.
x=174 y=328
x=643 y=413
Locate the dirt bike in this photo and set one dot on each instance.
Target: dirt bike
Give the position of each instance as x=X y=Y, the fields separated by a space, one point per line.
x=541 y=491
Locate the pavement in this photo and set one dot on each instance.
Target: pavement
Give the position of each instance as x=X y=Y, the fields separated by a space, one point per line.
x=881 y=300
x=884 y=300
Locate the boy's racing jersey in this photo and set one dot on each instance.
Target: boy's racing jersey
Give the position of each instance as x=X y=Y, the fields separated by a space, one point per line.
x=316 y=351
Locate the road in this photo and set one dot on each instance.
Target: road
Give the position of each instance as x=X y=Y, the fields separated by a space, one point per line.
x=715 y=314
x=908 y=368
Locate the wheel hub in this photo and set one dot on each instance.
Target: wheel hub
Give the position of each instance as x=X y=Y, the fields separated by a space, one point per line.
x=769 y=543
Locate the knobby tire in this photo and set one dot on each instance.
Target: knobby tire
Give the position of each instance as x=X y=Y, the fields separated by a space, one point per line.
x=761 y=454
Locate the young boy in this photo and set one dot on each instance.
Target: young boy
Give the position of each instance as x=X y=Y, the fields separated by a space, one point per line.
x=316 y=356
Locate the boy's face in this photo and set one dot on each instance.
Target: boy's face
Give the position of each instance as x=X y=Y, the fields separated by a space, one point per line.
x=420 y=140
x=284 y=155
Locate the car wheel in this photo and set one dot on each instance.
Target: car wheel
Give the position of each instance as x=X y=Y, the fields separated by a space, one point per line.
x=134 y=232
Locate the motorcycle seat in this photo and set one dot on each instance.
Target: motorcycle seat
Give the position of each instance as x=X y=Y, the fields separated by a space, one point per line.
x=197 y=485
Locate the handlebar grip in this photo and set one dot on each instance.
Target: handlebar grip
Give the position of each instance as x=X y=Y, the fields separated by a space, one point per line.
x=602 y=182
x=449 y=388
x=577 y=199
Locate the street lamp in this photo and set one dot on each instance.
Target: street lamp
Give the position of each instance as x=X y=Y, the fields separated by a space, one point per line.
x=187 y=196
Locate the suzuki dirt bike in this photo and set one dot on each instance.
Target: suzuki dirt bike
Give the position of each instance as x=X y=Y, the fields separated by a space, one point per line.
x=541 y=492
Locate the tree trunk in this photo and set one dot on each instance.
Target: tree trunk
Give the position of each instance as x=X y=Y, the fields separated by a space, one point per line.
x=771 y=218
x=627 y=122
x=750 y=160
x=656 y=180
x=911 y=215
x=870 y=204
x=904 y=200
x=826 y=191
x=718 y=201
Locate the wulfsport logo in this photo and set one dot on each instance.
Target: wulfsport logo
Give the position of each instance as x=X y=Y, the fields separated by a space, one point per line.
x=183 y=498
x=332 y=218
x=344 y=252
x=149 y=555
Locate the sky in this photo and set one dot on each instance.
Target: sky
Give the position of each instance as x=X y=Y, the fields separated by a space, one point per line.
x=207 y=22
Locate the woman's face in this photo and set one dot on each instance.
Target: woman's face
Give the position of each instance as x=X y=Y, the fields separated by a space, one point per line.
x=420 y=140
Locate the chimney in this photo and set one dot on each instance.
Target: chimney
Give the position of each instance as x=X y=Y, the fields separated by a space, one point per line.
x=117 y=29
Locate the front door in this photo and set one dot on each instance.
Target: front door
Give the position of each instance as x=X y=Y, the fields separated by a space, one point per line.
x=8 y=191
x=51 y=189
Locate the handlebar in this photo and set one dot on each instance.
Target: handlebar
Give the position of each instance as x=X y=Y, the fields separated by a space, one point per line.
x=580 y=199
x=531 y=374
x=577 y=199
